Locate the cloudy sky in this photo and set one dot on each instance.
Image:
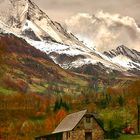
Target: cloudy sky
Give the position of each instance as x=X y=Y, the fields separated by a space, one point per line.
x=59 y=10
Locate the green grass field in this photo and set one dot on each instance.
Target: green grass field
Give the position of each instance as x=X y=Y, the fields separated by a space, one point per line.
x=129 y=137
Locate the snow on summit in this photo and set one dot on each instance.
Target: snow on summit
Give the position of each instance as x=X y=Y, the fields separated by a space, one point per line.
x=20 y=14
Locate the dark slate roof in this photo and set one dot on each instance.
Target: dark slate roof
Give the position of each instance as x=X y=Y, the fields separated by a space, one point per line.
x=69 y=122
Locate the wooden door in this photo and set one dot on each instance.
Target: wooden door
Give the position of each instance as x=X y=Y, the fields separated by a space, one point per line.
x=88 y=136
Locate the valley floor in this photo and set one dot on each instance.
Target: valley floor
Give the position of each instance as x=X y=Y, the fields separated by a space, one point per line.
x=128 y=137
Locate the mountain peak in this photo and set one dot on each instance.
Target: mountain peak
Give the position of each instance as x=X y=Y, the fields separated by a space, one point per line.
x=24 y=17
x=122 y=49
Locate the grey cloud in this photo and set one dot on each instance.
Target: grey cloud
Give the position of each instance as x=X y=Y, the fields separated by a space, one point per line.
x=106 y=31
x=61 y=9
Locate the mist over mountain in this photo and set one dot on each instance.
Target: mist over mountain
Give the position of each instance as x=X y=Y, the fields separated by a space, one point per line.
x=105 y=31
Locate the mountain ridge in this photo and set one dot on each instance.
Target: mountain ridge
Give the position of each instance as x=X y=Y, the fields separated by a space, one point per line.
x=26 y=69
x=64 y=48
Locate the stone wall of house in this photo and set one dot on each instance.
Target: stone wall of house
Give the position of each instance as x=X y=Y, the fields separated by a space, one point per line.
x=97 y=134
x=74 y=135
x=79 y=132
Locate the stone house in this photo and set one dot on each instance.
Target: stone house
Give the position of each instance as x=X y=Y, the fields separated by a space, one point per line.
x=77 y=126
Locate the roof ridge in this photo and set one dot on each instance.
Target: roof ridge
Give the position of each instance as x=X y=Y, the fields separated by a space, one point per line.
x=70 y=121
x=77 y=112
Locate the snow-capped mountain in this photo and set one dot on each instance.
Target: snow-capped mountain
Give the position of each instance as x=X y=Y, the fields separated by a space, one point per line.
x=81 y=59
x=26 y=18
x=125 y=57
x=29 y=22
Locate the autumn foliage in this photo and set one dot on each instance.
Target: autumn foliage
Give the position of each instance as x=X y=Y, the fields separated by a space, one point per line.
x=42 y=94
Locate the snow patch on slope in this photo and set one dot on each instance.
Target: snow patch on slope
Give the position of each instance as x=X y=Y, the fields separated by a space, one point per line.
x=123 y=61
x=49 y=47
x=90 y=56
x=82 y=62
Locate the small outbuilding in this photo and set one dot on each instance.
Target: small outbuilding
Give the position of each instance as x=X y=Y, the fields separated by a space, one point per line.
x=77 y=126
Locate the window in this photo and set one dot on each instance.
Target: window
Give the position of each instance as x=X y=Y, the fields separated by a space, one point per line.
x=67 y=135
x=88 y=119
